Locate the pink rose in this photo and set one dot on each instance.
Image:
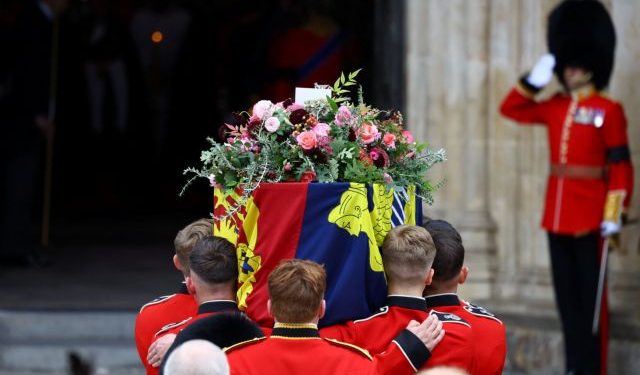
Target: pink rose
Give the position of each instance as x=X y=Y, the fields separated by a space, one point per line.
x=263 y=108
x=212 y=180
x=408 y=136
x=294 y=107
x=343 y=117
x=287 y=167
x=368 y=133
x=321 y=129
x=307 y=140
x=389 y=140
x=272 y=124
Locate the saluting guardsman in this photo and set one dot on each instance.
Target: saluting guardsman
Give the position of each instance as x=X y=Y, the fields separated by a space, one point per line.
x=591 y=175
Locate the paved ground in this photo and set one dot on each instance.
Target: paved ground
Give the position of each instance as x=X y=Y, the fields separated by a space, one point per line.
x=85 y=301
x=97 y=265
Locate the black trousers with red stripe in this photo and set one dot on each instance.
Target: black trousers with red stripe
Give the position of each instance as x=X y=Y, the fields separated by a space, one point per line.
x=575 y=264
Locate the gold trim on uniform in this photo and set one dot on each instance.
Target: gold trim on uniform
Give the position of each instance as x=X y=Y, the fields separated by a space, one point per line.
x=566 y=131
x=242 y=343
x=584 y=92
x=296 y=325
x=293 y=338
x=613 y=205
x=350 y=346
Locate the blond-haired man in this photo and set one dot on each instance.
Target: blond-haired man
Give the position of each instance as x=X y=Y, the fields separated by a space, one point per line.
x=176 y=307
x=407 y=253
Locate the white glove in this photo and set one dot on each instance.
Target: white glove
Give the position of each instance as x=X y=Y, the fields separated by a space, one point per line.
x=607 y=228
x=542 y=72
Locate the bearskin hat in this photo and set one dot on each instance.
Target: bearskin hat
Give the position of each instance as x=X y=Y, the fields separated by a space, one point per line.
x=580 y=33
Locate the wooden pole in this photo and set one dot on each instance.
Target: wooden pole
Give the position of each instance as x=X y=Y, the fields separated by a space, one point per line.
x=48 y=171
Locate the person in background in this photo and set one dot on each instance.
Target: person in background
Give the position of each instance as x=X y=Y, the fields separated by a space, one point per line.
x=591 y=174
x=26 y=107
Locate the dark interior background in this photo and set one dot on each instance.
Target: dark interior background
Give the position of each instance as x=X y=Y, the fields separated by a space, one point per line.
x=140 y=85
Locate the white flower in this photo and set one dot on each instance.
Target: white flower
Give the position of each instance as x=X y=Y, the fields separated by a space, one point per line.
x=272 y=124
x=263 y=108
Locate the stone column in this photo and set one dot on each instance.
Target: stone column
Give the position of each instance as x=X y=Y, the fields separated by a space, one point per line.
x=462 y=58
x=625 y=265
x=447 y=105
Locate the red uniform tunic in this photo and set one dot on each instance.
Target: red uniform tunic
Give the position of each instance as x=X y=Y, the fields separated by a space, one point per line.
x=585 y=130
x=489 y=335
x=157 y=314
x=298 y=349
x=376 y=332
x=205 y=309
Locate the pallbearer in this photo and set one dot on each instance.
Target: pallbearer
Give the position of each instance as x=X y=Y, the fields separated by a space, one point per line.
x=591 y=176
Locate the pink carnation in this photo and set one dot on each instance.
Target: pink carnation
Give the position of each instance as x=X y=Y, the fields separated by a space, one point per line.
x=380 y=157
x=307 y=140
x=263 y=108
x=408 y=136
x=368 y=133
x=321 y=129
x=389 y=140
x=344 y=116
x=272 y=124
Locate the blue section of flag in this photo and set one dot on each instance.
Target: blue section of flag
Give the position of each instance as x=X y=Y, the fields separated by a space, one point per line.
x=400 y=198
x=354 y=290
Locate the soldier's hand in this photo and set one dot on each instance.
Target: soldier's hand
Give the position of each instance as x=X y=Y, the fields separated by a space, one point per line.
x=609 y=228
x=159 y=348
x=542 y=72
x=430 y=331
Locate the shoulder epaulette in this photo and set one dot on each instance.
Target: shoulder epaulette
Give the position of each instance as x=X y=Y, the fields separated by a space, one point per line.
x=353 y=348
x=155 y=301
x=172 y=326
x=480 y=311
x=447 y=317
x=242 y=344
x=383 y=310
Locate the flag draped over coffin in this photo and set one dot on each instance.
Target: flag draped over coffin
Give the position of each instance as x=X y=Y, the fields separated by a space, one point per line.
x=339 y=225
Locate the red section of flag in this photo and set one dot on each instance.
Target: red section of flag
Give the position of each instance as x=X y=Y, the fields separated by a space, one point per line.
x=279 y=225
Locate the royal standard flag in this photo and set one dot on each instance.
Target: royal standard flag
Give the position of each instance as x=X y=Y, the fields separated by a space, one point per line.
x=339 y=225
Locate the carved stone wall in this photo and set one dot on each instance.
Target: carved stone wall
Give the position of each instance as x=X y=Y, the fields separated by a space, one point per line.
x=462 y=57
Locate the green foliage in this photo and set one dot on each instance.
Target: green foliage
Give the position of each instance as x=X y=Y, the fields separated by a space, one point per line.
x=358 y=143
x=339 y=88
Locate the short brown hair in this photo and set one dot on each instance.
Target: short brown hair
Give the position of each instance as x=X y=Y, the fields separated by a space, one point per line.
x=407 y=254
x=187 y=238
x=214 y=260
x=296 y=289
x=450 y=250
